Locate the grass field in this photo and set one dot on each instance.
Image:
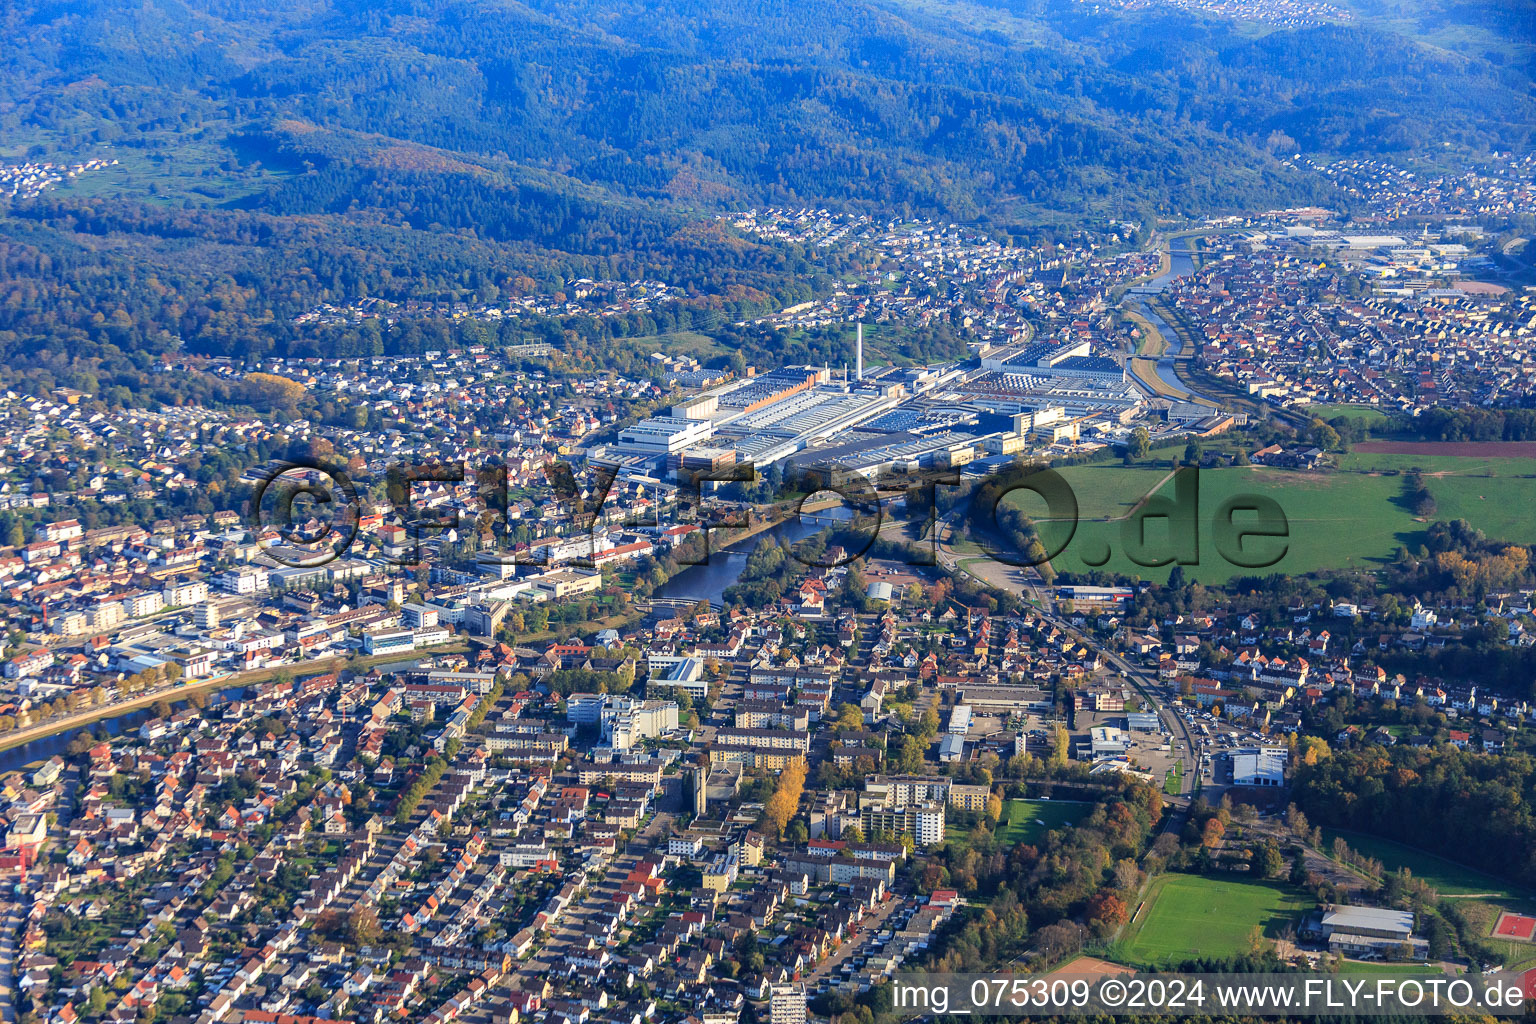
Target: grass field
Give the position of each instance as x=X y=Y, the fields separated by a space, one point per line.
x=1490 y=493
x=1334 y=520
x=1021 y=821
x=1338 y=520
x=1451 y=465
x=1173 y=783
x=680 y=343
x=1368 y=413
x=1363 y=967
x=1193 y=915
x=1447 y=877
x=164 y=167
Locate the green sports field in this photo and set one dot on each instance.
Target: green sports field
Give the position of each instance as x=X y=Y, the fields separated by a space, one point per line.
x=1021 y=821
x=1186 y=916
x=1346 y=519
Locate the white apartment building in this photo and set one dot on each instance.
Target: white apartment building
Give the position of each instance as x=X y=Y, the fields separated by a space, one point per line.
x=245 y=580
x=786 y=1004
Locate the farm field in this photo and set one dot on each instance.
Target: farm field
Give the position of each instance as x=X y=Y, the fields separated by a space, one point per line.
x=1021 y=821
x=1339 y=520
x=1194 y=915
x=1197 y=915
x=1447 y=877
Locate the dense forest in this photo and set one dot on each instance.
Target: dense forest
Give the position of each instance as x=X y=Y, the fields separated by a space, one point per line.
x=275 y=157
x=1470 y=807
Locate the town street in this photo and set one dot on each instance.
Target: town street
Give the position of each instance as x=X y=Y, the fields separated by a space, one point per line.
x=1027 y=584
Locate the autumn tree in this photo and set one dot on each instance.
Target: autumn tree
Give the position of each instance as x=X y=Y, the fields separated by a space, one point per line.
x=1106 y=911
x=1060 y=747
x=1140 y=443
x=1270 y=863
x=363 y=927
x=785 y=801
x=849 y=718
x=268 y=390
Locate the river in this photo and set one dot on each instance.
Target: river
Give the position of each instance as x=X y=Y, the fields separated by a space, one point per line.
x=708 y=582
x=44 y=747
x=1180 y=264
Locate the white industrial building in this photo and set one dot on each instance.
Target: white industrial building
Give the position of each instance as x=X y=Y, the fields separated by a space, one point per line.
x=1259 y=766
x=1108 y=741
x=1378 y=931
x=664 y=435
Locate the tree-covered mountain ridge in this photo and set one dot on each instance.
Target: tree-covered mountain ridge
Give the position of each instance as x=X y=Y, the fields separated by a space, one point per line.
x=277 y=156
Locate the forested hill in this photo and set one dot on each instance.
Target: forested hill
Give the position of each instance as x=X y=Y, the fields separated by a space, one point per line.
x=278 y=154
x=1048 y=108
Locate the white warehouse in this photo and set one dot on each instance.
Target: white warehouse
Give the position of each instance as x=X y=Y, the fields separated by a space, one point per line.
x=664 y=435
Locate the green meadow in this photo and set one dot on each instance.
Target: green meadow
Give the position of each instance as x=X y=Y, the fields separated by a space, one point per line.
x=1346 y=519
x=1447 y=877
x=1368 y=413
x=1026 y=821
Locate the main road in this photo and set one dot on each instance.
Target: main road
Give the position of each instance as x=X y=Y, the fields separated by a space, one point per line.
x=1027 y=583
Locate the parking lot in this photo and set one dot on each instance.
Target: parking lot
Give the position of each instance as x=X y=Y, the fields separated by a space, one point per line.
x=1217 y=739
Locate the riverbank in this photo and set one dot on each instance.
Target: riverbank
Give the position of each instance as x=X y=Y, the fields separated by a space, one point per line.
x=1152 y=344
x=180 y=694
x=1143 y=362
x=720 y=540
x=709 y=580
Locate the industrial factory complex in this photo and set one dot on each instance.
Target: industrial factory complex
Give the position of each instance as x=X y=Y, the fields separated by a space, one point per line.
x=1025 y=396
